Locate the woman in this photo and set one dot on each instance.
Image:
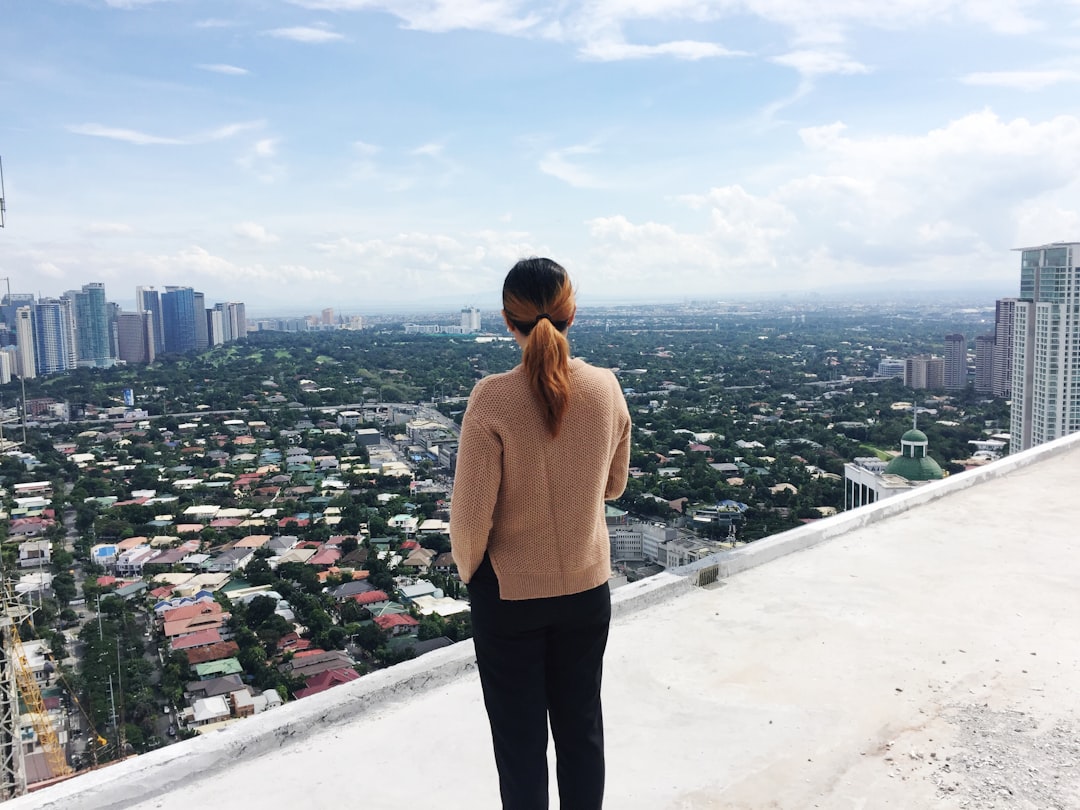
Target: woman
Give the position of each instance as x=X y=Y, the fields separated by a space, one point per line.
x=542 y=446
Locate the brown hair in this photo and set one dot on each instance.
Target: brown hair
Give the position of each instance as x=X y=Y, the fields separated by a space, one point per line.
x=538 y=300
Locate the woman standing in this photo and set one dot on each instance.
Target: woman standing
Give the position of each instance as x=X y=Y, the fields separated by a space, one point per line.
x=542 y=446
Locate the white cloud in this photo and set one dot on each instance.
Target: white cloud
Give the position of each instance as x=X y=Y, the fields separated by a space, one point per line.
x=265 y=147
x=819 y=62
x=195 y=261
x=557 y=164
x=305 y=34
x=598 y=27
x=691 y=50
x=472 y=262
x=108 y=229
x=1022 y=79
x=499 y=16
x=363 y=148
x=258 y=159
x=214 y=22
x=254 y=232
x=944 y=205
x=130 y=4
x=228 y=70
x=138 y=138
x=120 y=134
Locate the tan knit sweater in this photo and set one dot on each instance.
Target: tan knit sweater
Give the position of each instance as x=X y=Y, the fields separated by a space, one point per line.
x=533 y=503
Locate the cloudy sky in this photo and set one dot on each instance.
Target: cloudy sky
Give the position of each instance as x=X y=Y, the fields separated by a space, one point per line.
x=367 y=154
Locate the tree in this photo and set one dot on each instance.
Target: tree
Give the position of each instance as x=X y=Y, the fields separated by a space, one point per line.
x=433 y=626
x=370 y=637
x=63 y=586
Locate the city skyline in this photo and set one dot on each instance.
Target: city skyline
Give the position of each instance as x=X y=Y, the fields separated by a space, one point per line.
x=302 y=152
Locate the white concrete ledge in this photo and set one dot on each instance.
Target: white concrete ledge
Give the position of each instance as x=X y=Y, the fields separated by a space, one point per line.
x=173 y=768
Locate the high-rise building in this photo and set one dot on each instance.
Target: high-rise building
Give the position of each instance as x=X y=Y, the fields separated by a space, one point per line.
x=178 y=312
x=7 y=364
x=135 y=337
x=202 y=333
x=227 y=333
x=470 y=320
x=891 y=367
x=924 y=372
x=54 y=335
x=147 y=299
x=328 y=316
x=215 y=326
x=955 y=362
x=1046 y=346
x=26 y=357
x=984 y=364
x=1004 y=316
x=93 y=344
x=237 y=320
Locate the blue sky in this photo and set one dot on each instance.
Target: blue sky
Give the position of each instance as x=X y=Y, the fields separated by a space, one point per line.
x=367 y=154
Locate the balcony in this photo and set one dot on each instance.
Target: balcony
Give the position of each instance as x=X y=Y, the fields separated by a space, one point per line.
x=919 y=652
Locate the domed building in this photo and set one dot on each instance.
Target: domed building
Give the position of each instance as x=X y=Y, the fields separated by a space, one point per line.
x=913 y=463
x=867 y=480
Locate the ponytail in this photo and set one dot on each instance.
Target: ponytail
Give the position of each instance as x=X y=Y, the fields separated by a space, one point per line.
x=538 y=300
x=546 y=359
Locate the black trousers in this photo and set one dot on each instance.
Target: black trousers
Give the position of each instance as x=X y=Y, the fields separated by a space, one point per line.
x=541 y=661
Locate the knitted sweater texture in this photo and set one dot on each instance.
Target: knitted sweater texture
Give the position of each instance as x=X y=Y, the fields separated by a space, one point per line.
x=535 y=503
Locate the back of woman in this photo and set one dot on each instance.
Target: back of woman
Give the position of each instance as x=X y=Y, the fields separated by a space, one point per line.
x=542 y=446
x=542 y=522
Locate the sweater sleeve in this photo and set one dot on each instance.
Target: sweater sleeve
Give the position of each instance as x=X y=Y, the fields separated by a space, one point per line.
x=620 y=459
x=476 y=488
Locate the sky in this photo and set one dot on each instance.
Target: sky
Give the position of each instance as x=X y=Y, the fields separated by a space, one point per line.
x=378 y=154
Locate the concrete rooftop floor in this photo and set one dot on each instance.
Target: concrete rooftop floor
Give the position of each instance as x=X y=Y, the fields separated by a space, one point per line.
x=925 y=656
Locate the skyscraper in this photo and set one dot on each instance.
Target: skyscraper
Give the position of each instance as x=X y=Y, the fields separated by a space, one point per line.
x=1003 y=346
x=226 y=324
x=54 y=335
x=924 y=372
x=215 y=327
x=984 y=364
x=202 y=335
x=135 y=336
x=237 y=319
x=26 y=357
x=955 y=362
x=470 y=320
x=178 y=312
x=93 y=345
x=1046 y=346
x=148 y=300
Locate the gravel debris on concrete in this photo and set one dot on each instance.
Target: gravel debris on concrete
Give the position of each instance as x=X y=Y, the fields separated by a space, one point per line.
x=1006 y=760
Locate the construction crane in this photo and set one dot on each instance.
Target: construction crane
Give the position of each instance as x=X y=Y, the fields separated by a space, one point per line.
x=17 y=679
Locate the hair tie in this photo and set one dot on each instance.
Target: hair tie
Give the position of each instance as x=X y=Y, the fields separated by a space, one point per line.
x=541 y=316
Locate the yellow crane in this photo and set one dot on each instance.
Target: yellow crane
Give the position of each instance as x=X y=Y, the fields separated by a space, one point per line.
x=39 y=715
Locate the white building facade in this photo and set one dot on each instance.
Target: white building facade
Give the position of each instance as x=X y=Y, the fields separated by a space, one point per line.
x=1046 y=346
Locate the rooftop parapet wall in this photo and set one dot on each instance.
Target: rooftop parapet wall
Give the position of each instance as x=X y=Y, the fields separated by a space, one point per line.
x=325 y=725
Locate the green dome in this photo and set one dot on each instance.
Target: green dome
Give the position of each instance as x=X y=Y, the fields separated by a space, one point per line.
x=914 y=435
x=914 y=469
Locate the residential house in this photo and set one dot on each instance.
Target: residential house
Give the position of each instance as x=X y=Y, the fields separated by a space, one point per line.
x=397 y=625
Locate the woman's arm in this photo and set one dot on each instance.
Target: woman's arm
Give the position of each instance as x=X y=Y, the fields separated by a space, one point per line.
x=477 y=478
x=620 y=459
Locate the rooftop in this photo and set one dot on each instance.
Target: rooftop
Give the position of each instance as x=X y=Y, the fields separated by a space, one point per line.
x=918 y=652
